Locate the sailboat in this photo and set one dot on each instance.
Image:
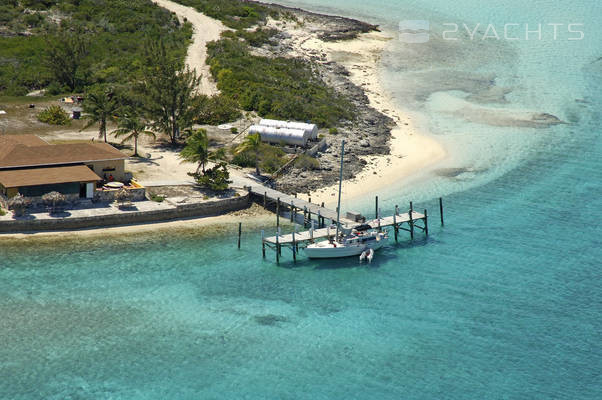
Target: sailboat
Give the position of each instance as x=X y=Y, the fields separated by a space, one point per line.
x=347 y=242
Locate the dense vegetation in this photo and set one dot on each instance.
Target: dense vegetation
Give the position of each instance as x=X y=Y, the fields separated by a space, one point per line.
x=284 y=88
x=233 y=13
x=66 y=45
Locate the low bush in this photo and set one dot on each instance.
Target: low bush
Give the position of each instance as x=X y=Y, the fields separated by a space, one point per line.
x=333 y=131
x=19 y=205
x=306 y=163
x=216 y=178
x=157 y=197
x=54 y=115
x=218 y=109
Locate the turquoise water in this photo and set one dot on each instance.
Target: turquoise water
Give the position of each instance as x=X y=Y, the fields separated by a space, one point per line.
x=504 y=302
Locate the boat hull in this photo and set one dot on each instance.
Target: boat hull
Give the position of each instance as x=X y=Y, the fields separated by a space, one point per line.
x=328 y=250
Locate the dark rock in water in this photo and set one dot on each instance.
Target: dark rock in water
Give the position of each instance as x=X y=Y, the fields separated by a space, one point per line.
x=270 y=319
x=546 y=119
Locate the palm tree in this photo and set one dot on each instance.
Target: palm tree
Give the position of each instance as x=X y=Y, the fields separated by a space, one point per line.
x=132 y=126
x=251 y=143
x=197 y=149
x=99 y=106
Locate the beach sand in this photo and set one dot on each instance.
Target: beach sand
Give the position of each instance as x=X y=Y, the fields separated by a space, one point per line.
x=411 y=150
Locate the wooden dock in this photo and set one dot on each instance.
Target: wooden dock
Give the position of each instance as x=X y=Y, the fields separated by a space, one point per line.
x=295 y=205
x=315 y=218
x=322 y=233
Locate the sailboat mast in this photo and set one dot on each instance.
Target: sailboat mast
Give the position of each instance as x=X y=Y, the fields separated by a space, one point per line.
x=340 y=186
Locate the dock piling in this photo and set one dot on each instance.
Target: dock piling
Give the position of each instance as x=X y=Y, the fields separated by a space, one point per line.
x=239 y=233
x=263 y=243
x=426 y=223
x=294 y=248
x=411 y=221
x=265 y=199
x=441 y=209
x=395 y=223
x=278 y=212
x=376 y=207
x=292 y=208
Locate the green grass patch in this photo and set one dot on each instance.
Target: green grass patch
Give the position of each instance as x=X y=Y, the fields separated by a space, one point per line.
x=157 y=198
x=306 y=163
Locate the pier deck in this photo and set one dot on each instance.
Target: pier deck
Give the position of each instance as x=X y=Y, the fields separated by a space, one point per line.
x=288 y=201
x=315 y=216
x=322 y=233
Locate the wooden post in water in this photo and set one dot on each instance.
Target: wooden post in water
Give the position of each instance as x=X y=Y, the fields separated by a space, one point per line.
x=309 y=201
x=376 y=207
x=278 y=213
x=292 y=208
x=278 y=246
x=294 y=248
x=311 y=233
x=323 y=220
x=305 y=216
x=263 y=243
x=239 y=233
x=411 y=221
x=265 y=199
x=395 y=223
x=426 y=223
x=441 y=209
x=319 y=219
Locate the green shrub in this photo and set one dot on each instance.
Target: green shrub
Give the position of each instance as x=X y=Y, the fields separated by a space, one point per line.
x=2 y=212
x=244 y=159
x=333 y=131
x=271 y=158
x=216 y=178
x=234 y=130
x=54 y=115
x=219 y=109
x=306 y=163
x=233 y=13
x=157 y=197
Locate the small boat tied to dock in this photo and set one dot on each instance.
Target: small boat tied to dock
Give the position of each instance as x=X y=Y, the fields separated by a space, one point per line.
x=342 y=237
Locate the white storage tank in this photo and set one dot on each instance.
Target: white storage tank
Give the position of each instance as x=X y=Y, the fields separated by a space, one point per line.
x=293 y=137
x=310 y=129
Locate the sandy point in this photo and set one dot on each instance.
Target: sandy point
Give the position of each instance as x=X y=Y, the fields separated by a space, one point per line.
x=412 y=150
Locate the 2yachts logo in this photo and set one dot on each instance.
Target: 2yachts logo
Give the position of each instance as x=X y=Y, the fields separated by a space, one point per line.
x=418 y=31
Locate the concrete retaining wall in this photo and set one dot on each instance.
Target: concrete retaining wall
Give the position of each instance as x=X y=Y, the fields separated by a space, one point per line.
x=108 y=196
x=210 y=208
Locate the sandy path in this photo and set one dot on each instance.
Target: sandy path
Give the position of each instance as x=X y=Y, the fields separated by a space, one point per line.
x=205 y=30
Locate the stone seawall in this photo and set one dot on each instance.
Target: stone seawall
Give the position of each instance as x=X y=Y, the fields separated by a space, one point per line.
x=204 y=209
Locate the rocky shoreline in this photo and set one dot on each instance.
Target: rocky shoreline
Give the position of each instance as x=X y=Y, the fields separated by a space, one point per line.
x=368 y=134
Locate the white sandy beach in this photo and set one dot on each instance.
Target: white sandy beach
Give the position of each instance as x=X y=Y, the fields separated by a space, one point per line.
x=411 y=150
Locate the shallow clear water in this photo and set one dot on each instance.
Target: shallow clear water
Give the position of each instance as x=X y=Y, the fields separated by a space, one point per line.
x=503 y=302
